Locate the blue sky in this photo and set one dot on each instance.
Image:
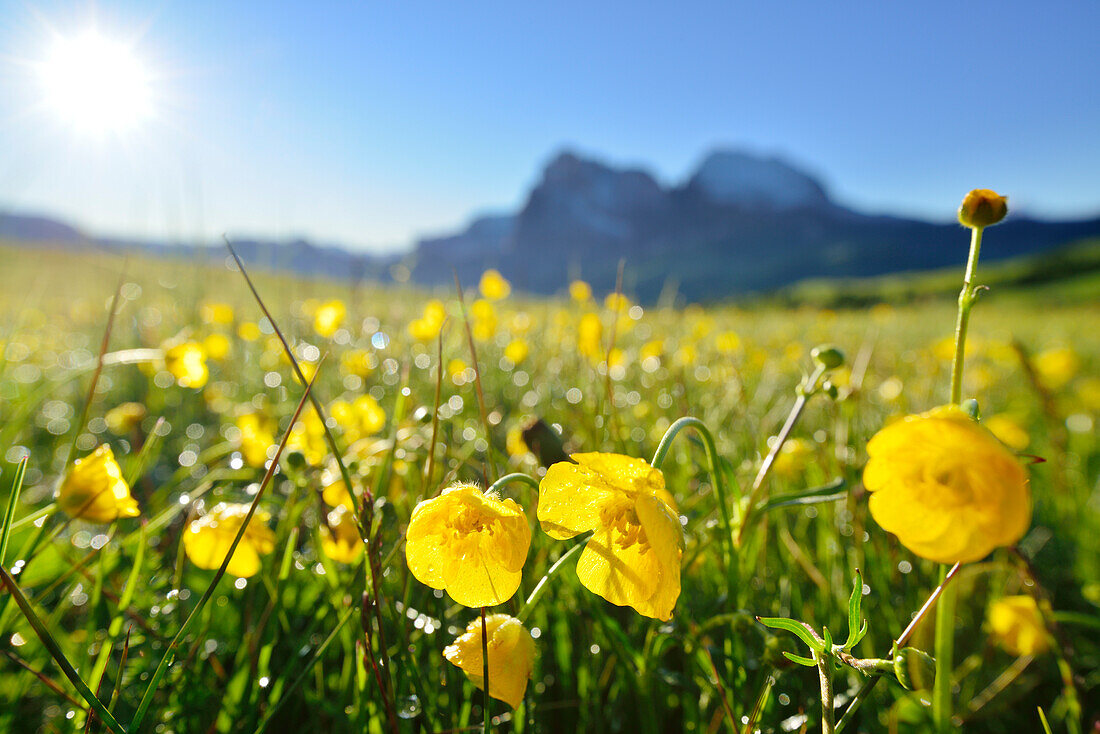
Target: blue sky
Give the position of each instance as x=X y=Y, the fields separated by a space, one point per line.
x=369 y=123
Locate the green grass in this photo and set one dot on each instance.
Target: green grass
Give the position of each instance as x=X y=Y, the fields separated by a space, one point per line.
x=285 y=650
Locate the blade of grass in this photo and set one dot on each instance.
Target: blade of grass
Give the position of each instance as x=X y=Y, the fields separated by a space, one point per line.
x=57 y=654
x=169 y=653
x=13 y=500
x=492 y=473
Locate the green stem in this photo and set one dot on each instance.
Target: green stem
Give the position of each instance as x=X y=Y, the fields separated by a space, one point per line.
x=804 y=392
x=825 y=674
x=945 y=649
x=485 y=670
x=515 y=478
x=966 y=302
x=717 y=479
x=525 y=610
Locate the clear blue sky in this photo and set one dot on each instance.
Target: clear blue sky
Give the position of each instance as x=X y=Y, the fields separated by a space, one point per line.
x=367 y=123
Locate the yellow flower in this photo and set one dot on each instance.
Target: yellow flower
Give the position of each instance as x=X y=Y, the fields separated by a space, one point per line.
x=356 y=362
x=1056 y=367
x=728 y=342
x=340 y=538
x=484 y=319
x=471 y=544
x=494 y=286
x=1008 y=430
x=516 y=351
x=206 y=540
x=308 y=437
x=187 y=363
x=514 y=443
x=633 y=558
x=334 y=491
x=793 y=458
x=217 y=346
x=982 y=207
x=124 y=418
x=328 y=317
x=216 y=314
x=580 y=291
x=1017 y=625
x=427 y=327
x=360 y=418
x=257 y=437
x=249 y=331
x=946 y=487
x=511 y=657
x=589 y=335
x=95 y=490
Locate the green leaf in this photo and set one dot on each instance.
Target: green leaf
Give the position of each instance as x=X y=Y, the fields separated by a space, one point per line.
x=808 y=662
x=856 y=631
x=13 y=500
x=800 y=629
x=831 y=492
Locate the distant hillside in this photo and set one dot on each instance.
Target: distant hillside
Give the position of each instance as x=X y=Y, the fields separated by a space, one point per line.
x=739 y=224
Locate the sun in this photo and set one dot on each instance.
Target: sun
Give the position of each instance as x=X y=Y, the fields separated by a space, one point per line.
x=95 y=85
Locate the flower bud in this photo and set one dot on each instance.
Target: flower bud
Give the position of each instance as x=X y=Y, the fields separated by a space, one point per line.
x=982 y=207
x=827 y=356
x=915 y=669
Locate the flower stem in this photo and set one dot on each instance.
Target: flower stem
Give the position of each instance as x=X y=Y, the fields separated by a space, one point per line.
x=717 y=479
x=485 y=669
x=825 y=674
x=540 y=587
x=945 y=649
x=515 y=478
x=966 y=302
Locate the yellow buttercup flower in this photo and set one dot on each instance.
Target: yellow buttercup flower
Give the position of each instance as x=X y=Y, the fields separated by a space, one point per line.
x=516 y=351
x=427 y=327
x=257 y=437
x=1017 y=625
x=187 y=363
x=633 y=557
x=511 y=657
x=328 y=317
x=580 y=291
x=334 y=491
x=1056 y=367
x=483 y=317
x=589 y=336
x=124 y=418
x=308 y=437
x=95 y=490
x=217 y=346
x=207 y=539
x=471 y=544
x=216 y=314
x=946 y=487
x=494 y=286
x=357 y=362
x=249 y=331
x=982 y=207
x=360 y=418
x=340 y=538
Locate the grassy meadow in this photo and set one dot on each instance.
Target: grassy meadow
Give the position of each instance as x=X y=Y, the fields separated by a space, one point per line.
x=327 y=637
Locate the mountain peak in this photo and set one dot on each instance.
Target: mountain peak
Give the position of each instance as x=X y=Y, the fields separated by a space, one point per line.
x=734 y=177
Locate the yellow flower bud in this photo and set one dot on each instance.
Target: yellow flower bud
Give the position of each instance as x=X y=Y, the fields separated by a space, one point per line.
x=511 y=656
x=1017 y=625
x=95 y=490
x=982 y=208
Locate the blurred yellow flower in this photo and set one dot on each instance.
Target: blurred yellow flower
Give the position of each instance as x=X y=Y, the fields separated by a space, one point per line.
x=728 y=342
x=187 y=363
x=1056 y=367
x=216 y=314
x=257 y=437
x=514 y=443
x=249 y=331
x=589 y=335
x=427 y=327
x=494 y=286
x=217 y=346
x=1008 y=430
x=328 y=317
x=1017 y=625
x=580 y=291
x=793 y=458
x=360 y=418
x=483 y=319
x=95 y=490
x=633 y=557
x=455 y=367
x=308 y=437
x=946 y=486
x=471 y=544
x=207 y=539
x=340 y=538
x=356 y=362
x=511 y=657
x=124 y=418
x=334 y=491
x=516 y=351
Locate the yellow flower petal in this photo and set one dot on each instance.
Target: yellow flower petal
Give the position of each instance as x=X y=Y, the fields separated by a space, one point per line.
x=511 y=656
x=95 y=490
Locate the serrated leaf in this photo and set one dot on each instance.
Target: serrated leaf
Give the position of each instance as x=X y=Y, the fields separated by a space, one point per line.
x=796 y=628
